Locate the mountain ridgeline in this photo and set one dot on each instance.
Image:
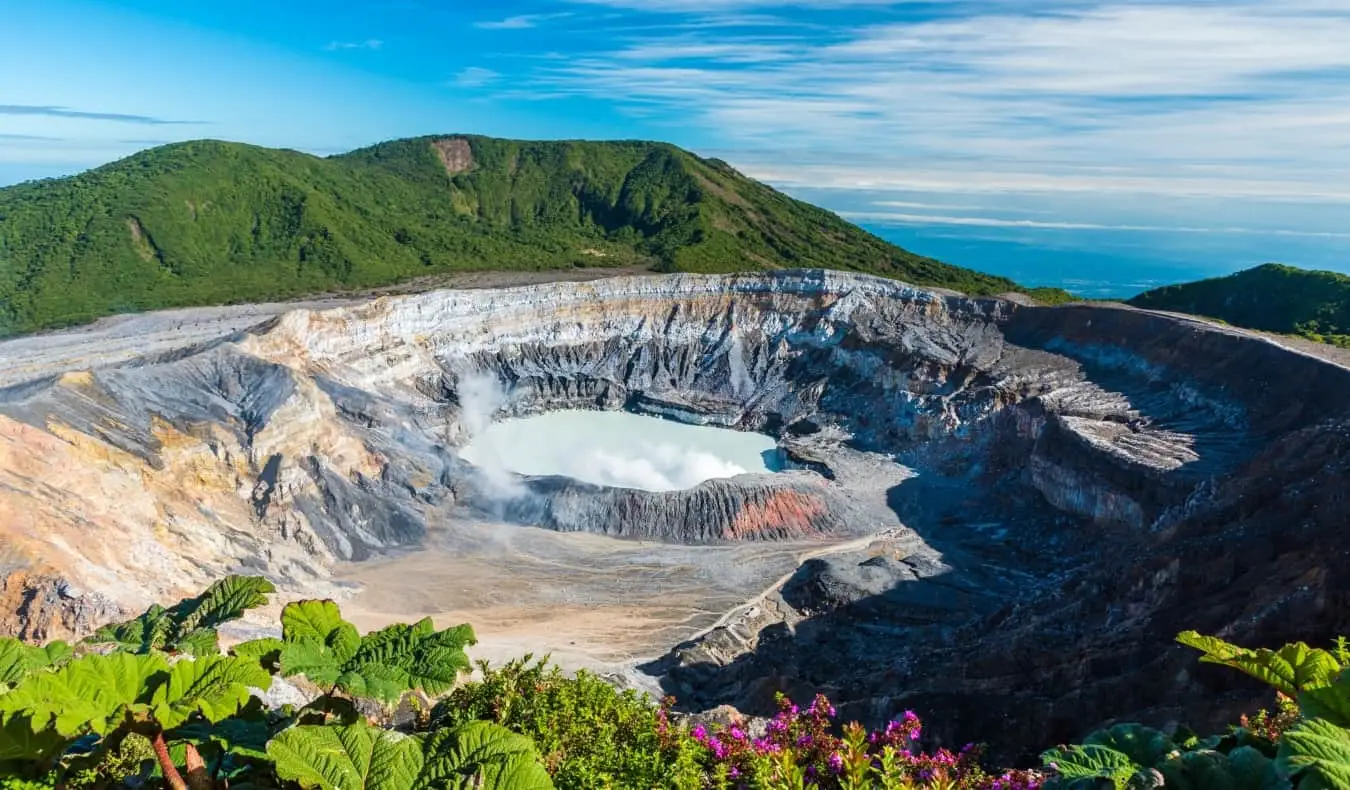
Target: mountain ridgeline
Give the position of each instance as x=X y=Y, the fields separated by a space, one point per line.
x=1273 y=297
x=211 y=222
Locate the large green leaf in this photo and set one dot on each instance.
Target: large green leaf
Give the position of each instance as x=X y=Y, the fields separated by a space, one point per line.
x=90 y=694
x=1244 y=768
x=189 y=625
x=18 y=659
x=246 y=737
x=376 y=681
x=214 y=686
x=359 y=757
x=485 y=756
x=382 y=665
x=316 y=641
x=320 y=621
x=1082 y=765
x=227 y=599
x=1145 y=746
x=266 y=651
x=21 y=741
x=1316 y=754
x=1252 y=770
x=1330 y=702
x=1291 y=669
x=310 y=658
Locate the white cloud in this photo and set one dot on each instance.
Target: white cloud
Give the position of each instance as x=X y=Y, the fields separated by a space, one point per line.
x=687 y=6
x=997 y=222
x=520 y=22
x=476 y=77
x=1152 y=96
x=370 y=43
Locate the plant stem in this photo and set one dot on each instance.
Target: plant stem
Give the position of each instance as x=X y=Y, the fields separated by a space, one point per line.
x=171 y=775
x=197 y=777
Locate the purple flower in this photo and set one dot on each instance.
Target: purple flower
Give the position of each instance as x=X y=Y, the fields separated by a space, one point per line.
x=836 y=763
x=700 y=733
x=805 y=741
x=737 y=734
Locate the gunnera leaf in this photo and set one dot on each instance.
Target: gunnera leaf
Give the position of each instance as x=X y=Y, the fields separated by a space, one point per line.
x=18 y=659
x=90 y=694
x=1290 y=670
x=1145 y=746
x=1082 y=765
x=189 y=625
x=358 y=757
x=214 y=686
x=485 y=756
x=382 y=665
x=1316 y=754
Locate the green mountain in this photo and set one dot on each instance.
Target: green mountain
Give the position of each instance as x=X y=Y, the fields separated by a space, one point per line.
x=1275 y=298
x=211 y=222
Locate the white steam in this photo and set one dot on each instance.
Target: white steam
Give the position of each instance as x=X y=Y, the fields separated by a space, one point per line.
x=652 y=467
x=617 y=449
x=480 y=398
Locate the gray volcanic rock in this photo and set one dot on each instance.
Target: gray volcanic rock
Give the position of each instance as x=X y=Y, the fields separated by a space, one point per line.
x=1088 y=480
x=786 y=506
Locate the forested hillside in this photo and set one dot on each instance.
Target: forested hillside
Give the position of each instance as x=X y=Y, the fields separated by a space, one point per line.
x=212 y=222
x=1275 y=298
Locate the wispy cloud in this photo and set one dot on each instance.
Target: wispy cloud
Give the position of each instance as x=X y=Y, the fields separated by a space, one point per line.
x=885 y=217
x=65 y=112
x=520 y=22
x=687 y=6
x=476 y=77
x=37 y=138
x=370 y=43
x=1156 y=96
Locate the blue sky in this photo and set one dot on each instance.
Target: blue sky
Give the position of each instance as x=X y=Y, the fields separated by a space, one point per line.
x=1049 y=137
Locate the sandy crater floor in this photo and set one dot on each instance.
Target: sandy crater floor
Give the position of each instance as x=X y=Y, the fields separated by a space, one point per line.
x=591 y=602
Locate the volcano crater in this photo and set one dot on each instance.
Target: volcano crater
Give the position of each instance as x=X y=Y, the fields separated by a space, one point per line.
x=997 y=514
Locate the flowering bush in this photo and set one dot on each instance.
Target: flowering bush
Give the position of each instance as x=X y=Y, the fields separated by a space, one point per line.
x=797 y=749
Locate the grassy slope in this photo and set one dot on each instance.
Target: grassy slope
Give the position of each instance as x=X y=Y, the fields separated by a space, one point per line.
x=211 y=222
x=1275 y=298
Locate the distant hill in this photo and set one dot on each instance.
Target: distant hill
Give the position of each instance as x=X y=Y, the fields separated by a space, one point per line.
x=212 y=222
x=1275 y=298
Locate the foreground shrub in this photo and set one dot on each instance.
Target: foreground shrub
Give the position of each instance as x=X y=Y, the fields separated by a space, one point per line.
x=591 y=735
x=152 y=700
x=1304 y=743
x=798 y=750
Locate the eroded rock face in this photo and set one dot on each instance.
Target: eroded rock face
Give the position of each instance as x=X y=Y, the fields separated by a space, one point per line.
x=1088 y=480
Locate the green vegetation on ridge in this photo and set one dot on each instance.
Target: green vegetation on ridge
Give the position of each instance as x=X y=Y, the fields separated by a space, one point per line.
x=211 y=222
x=1273 y=297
